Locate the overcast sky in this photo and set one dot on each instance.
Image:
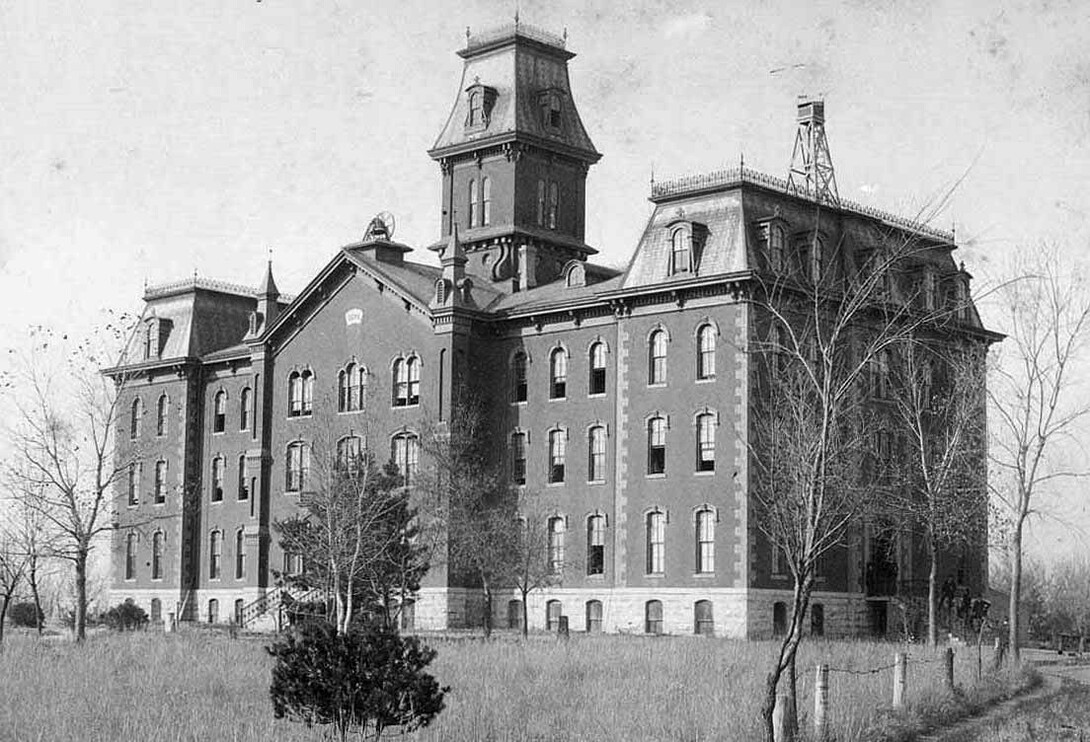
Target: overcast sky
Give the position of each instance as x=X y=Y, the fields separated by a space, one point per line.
x=146 y=141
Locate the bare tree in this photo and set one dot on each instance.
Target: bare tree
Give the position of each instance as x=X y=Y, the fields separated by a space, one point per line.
x=827 y=318
x=1045 y=311
x=939 y=413
x=469 y=493
x=64 y=461
x=355 y=532
x=13 y=563
x=533 y=566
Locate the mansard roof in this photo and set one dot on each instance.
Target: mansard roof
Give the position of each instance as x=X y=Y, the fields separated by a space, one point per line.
x=520 y=64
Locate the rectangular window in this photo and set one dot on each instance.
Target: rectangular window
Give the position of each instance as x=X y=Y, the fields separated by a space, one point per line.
x=556 y=545
x=160 y=482
x=705 y=433
x=557 y=451
x=656 y=542
x=243 y=479
x=217 y=479
x=656 y=446
x=596 y=544
x=134 y=484
x=705 y=541
x=596 y=456
x=518 y=458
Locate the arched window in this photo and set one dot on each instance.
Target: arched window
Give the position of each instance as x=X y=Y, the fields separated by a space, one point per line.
x=554 y=204
x=413 y=368
x=160 y=482
x=243 y=478
x=245 y=409
x=215 y=554
x=558 y=374
x=777 y=241
x=474 y=209
x=298 y=466
x=161 y=411
x=349 y=453
x=219 y=412
x=240 y=605
x=541 y=203
x=240 y=554
x=653 y=617
x=705 y=541
x=476 y=109
x=553 y=611
x=130 y=556
x=598 y=368
x=656 y=358
x=656 y=445
x=295 y=394
x=556 y=544
x=656 y=542
x=157 y=556
x=596 y=544
x=680 y=251
x=406 y=381
x=486 y=205
x=518 y=376
x=308 y=392
x=518 y=457
x=514 y=614
x=558 y=440
x=817 y=619
x=134 y=484
x=705 y=442
x=596 y=454
x=594 y=616
x=705 y=354
x=779 y=618
x=217 y=479
x=344 y=388
x=405 y=452
x=135 y=414
x=703 y=621
x=213 y=611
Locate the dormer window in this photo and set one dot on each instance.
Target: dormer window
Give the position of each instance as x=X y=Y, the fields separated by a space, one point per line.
x=686 y=238
x=481 y=100
x=155 y=333
x=772 y=238
x=681 y=248
x=550 y=110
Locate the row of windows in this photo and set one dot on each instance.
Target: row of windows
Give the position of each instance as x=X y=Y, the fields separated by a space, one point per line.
x=136 y=417
x=480 y=203
x=557 y=454
x=215 y=555
x=404 y=453
x=655 y=543
x=134 y=479
x=703 y=619
x=597 y=365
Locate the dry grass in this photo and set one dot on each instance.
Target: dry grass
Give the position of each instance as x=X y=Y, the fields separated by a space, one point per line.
x=200 y=685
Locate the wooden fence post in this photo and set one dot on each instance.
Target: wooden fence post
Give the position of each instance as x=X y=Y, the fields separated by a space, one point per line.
x=821 y=702
x=899 y=674
x=948 y=667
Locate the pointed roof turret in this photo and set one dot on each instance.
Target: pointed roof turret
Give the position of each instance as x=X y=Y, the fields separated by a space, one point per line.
x=454 y=254
x=268 y=286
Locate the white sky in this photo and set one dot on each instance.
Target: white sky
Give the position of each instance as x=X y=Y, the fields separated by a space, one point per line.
x=149 y=140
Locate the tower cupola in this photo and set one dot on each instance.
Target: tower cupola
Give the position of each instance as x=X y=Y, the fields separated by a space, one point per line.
x=514 y=156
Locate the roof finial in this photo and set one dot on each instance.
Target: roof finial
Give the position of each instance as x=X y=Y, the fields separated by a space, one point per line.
x=565 y=35
x=954 y=229
x=467 y=34
x=741 y=160
x=652 y=173
x=516 y=15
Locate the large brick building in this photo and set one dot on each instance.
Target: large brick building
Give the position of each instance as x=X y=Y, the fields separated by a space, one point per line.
x=624 y=394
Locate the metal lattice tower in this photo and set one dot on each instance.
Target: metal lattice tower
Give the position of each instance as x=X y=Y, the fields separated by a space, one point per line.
x=811 y=165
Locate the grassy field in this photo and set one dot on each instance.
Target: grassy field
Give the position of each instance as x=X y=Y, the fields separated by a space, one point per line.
x=1064 y=717
x=200 y=685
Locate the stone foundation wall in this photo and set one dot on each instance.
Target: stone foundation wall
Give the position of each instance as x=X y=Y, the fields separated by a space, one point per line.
x=845 y=613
